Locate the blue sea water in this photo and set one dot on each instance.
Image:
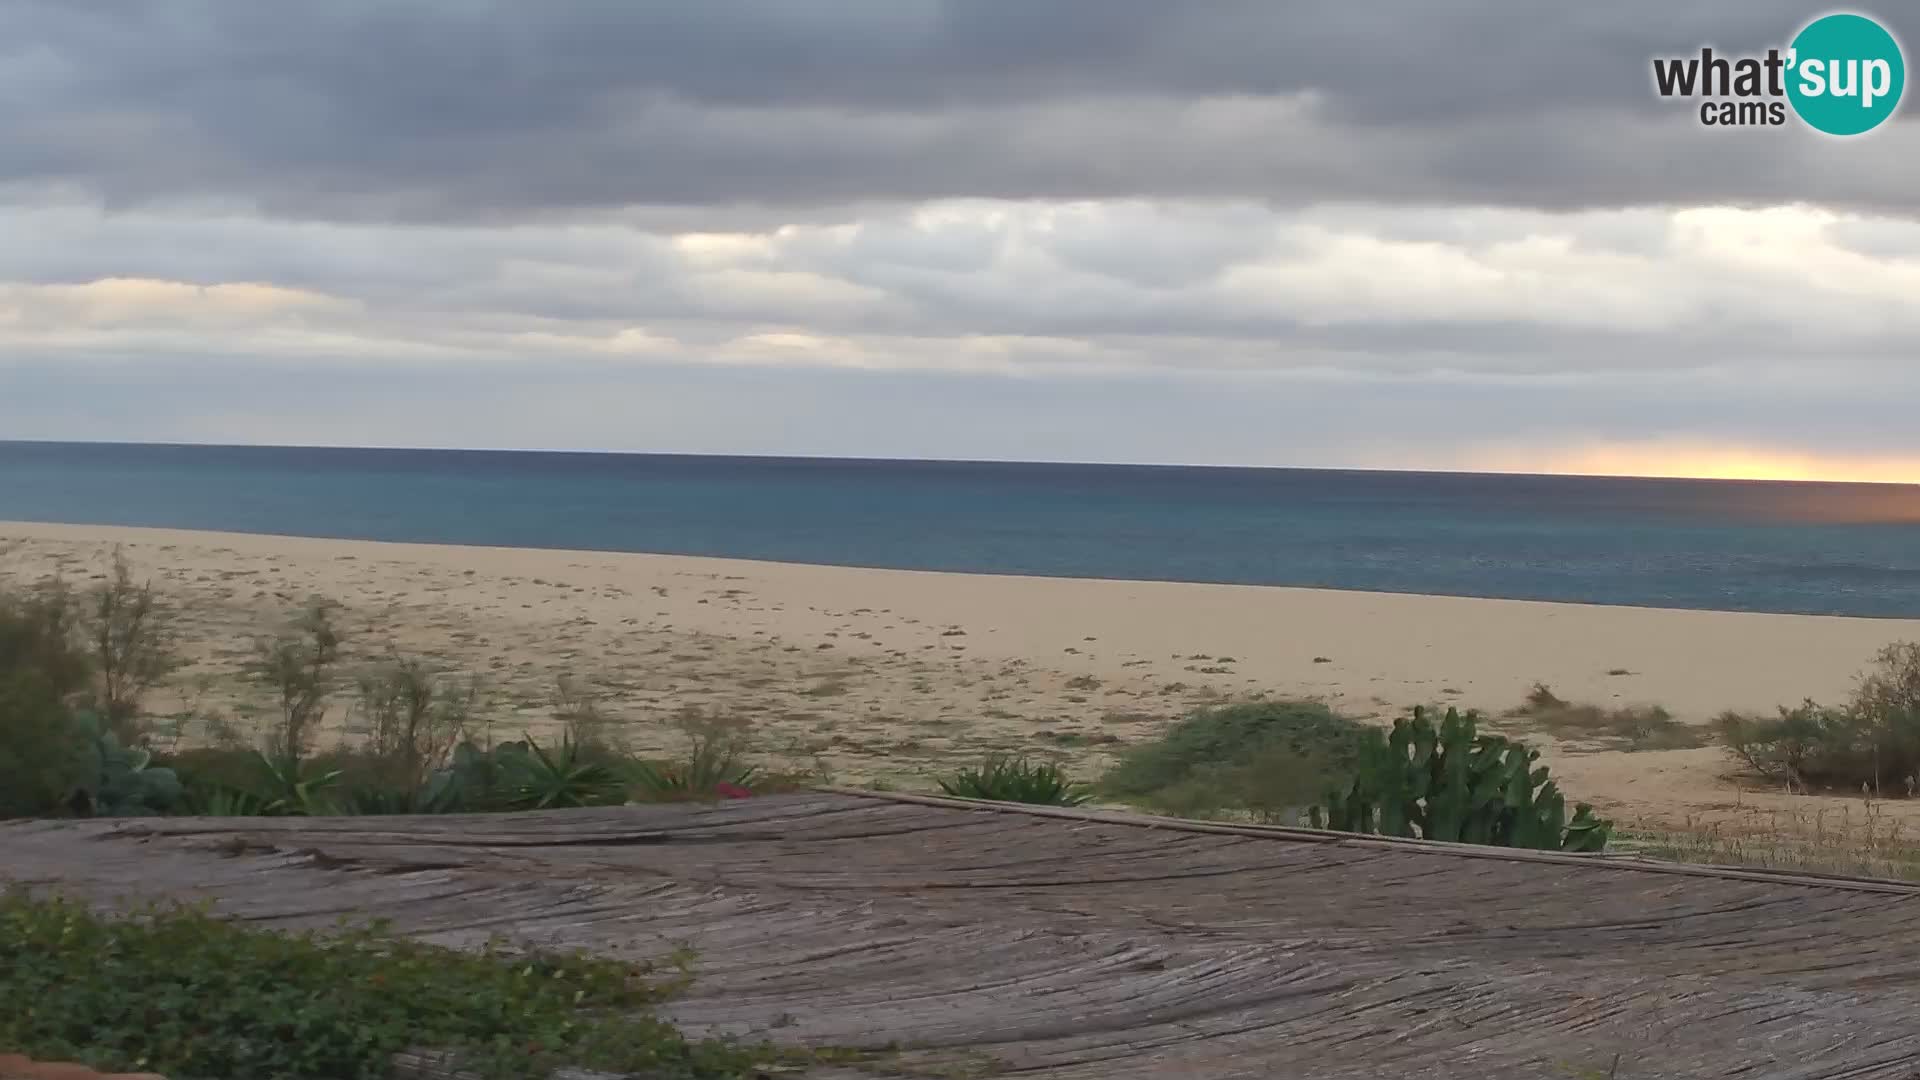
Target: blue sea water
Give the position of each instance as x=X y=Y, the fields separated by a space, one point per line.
x=1843 y=549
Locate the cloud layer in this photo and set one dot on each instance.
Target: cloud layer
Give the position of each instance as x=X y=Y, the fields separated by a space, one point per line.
x=1337 y=212
x=374 y=111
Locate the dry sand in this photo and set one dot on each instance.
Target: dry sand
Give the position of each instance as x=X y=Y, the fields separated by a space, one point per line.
x=893 y=675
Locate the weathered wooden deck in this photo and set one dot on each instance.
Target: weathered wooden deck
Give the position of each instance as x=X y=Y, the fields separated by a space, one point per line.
x=1094 y=946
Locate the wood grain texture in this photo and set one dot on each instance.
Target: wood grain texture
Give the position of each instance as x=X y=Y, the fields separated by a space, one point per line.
x=1096 y=946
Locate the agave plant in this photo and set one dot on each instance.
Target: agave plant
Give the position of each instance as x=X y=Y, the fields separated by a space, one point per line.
x=296 y=790
x=1016 y=779
x=536 y=778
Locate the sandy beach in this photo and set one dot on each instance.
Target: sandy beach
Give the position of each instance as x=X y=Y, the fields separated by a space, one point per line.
x=894 y=675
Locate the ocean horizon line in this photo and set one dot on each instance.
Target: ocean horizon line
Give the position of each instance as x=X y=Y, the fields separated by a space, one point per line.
x=687 y=455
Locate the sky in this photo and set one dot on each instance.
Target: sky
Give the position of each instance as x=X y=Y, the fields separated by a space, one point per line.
x=1390 y=234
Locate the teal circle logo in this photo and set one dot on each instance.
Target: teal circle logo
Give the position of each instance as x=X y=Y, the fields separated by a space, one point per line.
x=1845 y=74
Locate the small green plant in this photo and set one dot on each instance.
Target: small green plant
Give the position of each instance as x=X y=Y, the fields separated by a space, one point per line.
x=1015 y=779
x=1451 y=783
x=180 y=992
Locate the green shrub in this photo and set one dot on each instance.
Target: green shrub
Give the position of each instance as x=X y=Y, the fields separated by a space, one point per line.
x=39 y=635
x=1269 y=760
x=185 y=994
x=298 y=666
x=43 y=754
x=129 y=635
x=1871 y=743
x=414 y=717
x=1891 y=689
x=43 y=751
x=1005 y=779
x=55 y=758
x=1452 y=783
x=1808 y=739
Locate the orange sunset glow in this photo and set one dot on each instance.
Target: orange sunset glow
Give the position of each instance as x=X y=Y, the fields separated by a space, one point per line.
x=1705 y=462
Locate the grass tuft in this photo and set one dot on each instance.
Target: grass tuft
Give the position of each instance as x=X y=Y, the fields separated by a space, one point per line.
x=1856 y=838
x=1633 y=728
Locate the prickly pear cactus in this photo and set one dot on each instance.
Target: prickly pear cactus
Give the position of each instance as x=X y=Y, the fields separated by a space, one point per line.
x=1448 y=782
x=121 y=784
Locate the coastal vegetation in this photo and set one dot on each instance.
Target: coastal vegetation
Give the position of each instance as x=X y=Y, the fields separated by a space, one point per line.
x=1870 y=743
x=354 y=730
x=347 y=730
x=1285 y=762
x=74 y=739
x=178 y=991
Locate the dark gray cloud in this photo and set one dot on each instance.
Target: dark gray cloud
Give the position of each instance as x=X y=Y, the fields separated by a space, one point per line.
x=369 y=110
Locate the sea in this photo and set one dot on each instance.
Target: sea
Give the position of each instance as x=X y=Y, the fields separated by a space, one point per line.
x=1812 y=548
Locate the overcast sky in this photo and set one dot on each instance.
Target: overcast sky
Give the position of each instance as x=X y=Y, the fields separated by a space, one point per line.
x=1390 y=233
